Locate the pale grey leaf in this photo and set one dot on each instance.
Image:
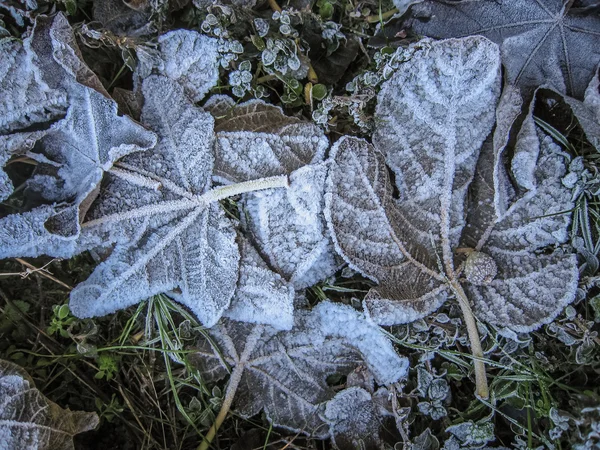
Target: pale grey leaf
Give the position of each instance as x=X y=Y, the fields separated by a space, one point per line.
x=284 y=372
x=587 y=113
x=73 y=153
x=197 y=255
x=25 y=100
x=167 y=237
x=288 y=227
x=29 y=421
x=531 y=286
x=541 y=41
x=373 y=236
x=432 y=117
x=262 y=296
x=403 y=5
x=26 y=234
x=354 y=420
x=256 y=140
x=187 y=57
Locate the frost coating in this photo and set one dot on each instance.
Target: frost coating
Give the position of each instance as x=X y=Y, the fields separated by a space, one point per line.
x=409 y=245
x=256 y=140
x=28 y=420
x=184 y=56
x=167 y=236
x=541 y=42
x=72 y=153
x=289 y=228
x=262 y=296
x=354 y=420
x=284 y=372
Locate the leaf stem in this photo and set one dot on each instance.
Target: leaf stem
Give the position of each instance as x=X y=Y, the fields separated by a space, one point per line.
x=223 y=192
x=481 y=384
x=234 y=382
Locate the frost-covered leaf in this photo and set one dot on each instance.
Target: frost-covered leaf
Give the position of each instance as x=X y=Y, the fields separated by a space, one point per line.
x=256 y=140
x=429 y=131
x=28 y=420
x=118 y=17
x=355 y=419
x=72 y=153
x=288 y=227
x=284 y=372
x=25 y=102
x=167 y=236
x=541 y=41
x=185 y=56
x=531 y=286
x=262 y=296
x=433 y=116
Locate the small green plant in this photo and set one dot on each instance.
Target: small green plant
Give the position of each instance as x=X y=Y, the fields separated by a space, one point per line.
x=61 y=321
x=108 y=366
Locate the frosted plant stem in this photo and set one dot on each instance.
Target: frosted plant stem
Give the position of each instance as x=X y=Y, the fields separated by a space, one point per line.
x=481 y=384
x=234 y=382
x=223 y=192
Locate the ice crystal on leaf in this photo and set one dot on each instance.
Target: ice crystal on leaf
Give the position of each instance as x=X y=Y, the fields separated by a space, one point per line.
x=255 y=139
x=262 y=296
x=541 y=41
x=184 y=56
x=433 y=117
x=284 y=372
x=354 y=417
x=167 y=235
x=71 y=153
x=28 y=420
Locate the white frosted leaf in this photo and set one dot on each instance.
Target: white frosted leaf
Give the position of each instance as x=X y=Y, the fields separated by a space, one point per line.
x=196 y=255
x=73 y=153
x=592 y=95
x=25 y=100
x=432 y=118
x=531 y=286
x=376 y=349
x=26 y=234
x=542 y=42
x=262 y=296
x=284 y=372
x=256 y=140
x=354 y=420
x=167 y=237
x=29 y=421
x=185 y=56
x=288 y=227
x=430 y=132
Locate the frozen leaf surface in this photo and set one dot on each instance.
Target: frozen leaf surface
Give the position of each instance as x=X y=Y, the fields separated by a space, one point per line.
x=434 y=114
x=354 y=420
x=168 y=237
x=541 y=41
x=73 y=153
x=289 y=227
x=284 y=372
x=430 y=135
x=255 y=139
x=185 y=56
x=262 y=296
x=532 y=286
x=29 y=421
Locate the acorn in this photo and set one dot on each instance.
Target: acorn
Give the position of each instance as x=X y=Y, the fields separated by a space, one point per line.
x=480 y=268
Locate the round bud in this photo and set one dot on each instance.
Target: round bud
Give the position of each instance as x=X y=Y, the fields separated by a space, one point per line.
x=480 y=268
